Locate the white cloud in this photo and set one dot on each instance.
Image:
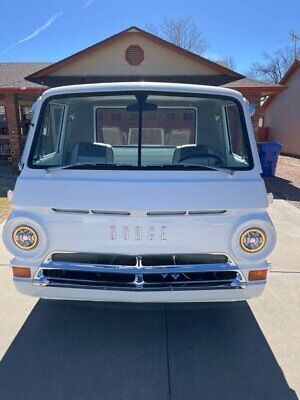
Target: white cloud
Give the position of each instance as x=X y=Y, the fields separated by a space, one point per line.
x=36 y=32
x=88 y=3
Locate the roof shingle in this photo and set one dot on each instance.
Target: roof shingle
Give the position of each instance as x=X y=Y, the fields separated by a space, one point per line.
x=249 y=82
x=12 y=74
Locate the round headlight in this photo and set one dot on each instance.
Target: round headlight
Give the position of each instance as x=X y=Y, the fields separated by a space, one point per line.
x=25 y=238
x=253 y=240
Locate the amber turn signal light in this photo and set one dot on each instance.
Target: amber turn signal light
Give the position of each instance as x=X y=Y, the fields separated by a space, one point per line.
x=21 y=272
x=258 y=275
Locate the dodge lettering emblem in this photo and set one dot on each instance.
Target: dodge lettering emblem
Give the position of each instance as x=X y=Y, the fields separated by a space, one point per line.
x=137 y=233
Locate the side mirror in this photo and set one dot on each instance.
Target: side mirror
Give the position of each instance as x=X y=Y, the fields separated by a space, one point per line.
x=251 y=109
x=20 y=166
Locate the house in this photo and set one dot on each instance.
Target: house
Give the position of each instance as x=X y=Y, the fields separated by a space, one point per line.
x=282 y=112
x=16 y=98
x=130 y=55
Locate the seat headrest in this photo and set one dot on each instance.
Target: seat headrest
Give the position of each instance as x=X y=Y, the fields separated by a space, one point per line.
x=85 y=152
x=189 y=150
x=150 y=136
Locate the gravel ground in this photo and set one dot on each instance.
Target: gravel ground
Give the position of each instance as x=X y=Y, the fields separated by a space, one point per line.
x=286 y=184
x=7 y=181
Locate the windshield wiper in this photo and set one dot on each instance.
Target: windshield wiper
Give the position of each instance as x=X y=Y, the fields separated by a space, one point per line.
x=120 y=165
x=87 y=164
x=187 y=165
x=221 y=169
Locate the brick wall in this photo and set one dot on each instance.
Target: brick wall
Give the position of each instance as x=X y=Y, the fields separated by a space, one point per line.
x=255 y=100
x=13 y=126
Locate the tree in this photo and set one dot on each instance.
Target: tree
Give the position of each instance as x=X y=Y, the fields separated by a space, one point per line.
x=230 y=62
x=182 y=32
x=274 y=66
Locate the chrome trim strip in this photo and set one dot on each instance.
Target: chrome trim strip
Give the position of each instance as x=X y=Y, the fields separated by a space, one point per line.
x=55 y=265
x=136 y=288
x=69 y=210
x=206 y=212
x=193 y=212
x=107 y=212
x=141 y=213
x=162 y=213
x=48 y=258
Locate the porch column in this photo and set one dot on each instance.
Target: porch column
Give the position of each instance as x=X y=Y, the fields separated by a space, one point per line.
x=13 y=126
x=255 y=100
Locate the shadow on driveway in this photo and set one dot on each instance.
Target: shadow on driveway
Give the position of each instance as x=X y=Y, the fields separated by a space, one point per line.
x=74 y=350
x=282 y=188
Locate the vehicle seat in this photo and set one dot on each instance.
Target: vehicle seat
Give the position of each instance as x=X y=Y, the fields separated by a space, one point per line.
x=193 y=154
x=113 y=136
x=91 y=152
x=179 y=137
x=150 y=136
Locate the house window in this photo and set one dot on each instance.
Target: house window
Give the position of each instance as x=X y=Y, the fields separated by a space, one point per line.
x=134 y=55
x=170 y=116
x=152 y=117
x=3 y=121
x=115 y=117
x=188 y=116
x=134 y=117
x=25 y=117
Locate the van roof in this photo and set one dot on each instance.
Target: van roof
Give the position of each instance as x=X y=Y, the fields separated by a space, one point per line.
x=136 y=86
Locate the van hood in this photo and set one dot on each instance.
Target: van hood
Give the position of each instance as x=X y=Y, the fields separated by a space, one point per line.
x=123 y=191
x=97 y=212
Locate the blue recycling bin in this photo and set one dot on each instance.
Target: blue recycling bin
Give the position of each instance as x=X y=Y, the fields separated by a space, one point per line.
x=268 y=154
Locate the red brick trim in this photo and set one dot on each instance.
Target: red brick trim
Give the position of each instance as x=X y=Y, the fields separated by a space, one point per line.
x=12 y=90
x=258 y=89
x=13 y=125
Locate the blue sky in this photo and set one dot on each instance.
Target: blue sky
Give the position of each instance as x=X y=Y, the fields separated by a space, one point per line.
x=39 y=30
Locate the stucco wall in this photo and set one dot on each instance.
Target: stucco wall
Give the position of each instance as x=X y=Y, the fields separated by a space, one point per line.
x=110 y=60
x=283 y=116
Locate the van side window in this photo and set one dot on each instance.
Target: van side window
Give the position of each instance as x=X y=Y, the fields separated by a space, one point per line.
x=51 y=130
x=234 y=130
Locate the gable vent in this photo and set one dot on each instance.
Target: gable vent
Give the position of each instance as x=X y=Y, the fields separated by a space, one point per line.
x=134 y=54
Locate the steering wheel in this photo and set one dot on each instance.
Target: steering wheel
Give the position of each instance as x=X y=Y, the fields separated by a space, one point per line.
x=208 y=155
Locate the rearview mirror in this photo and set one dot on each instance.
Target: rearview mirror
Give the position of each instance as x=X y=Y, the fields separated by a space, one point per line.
x=145 y=107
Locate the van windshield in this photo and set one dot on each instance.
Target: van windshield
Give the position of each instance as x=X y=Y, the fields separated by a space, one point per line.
x=141 y=130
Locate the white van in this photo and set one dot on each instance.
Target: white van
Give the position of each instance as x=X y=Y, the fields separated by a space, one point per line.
x=140 y=192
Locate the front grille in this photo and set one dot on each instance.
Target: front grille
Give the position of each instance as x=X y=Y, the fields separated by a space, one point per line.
x=189 y=277
x=141 y=260
x=139 y=272
x=95 y=259
x=144 y=281
x=85 y=277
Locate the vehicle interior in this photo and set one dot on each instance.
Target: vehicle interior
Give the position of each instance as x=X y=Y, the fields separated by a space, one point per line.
x=169 y=129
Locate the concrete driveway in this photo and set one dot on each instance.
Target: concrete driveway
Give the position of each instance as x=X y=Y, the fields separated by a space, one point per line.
x=76 y=350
